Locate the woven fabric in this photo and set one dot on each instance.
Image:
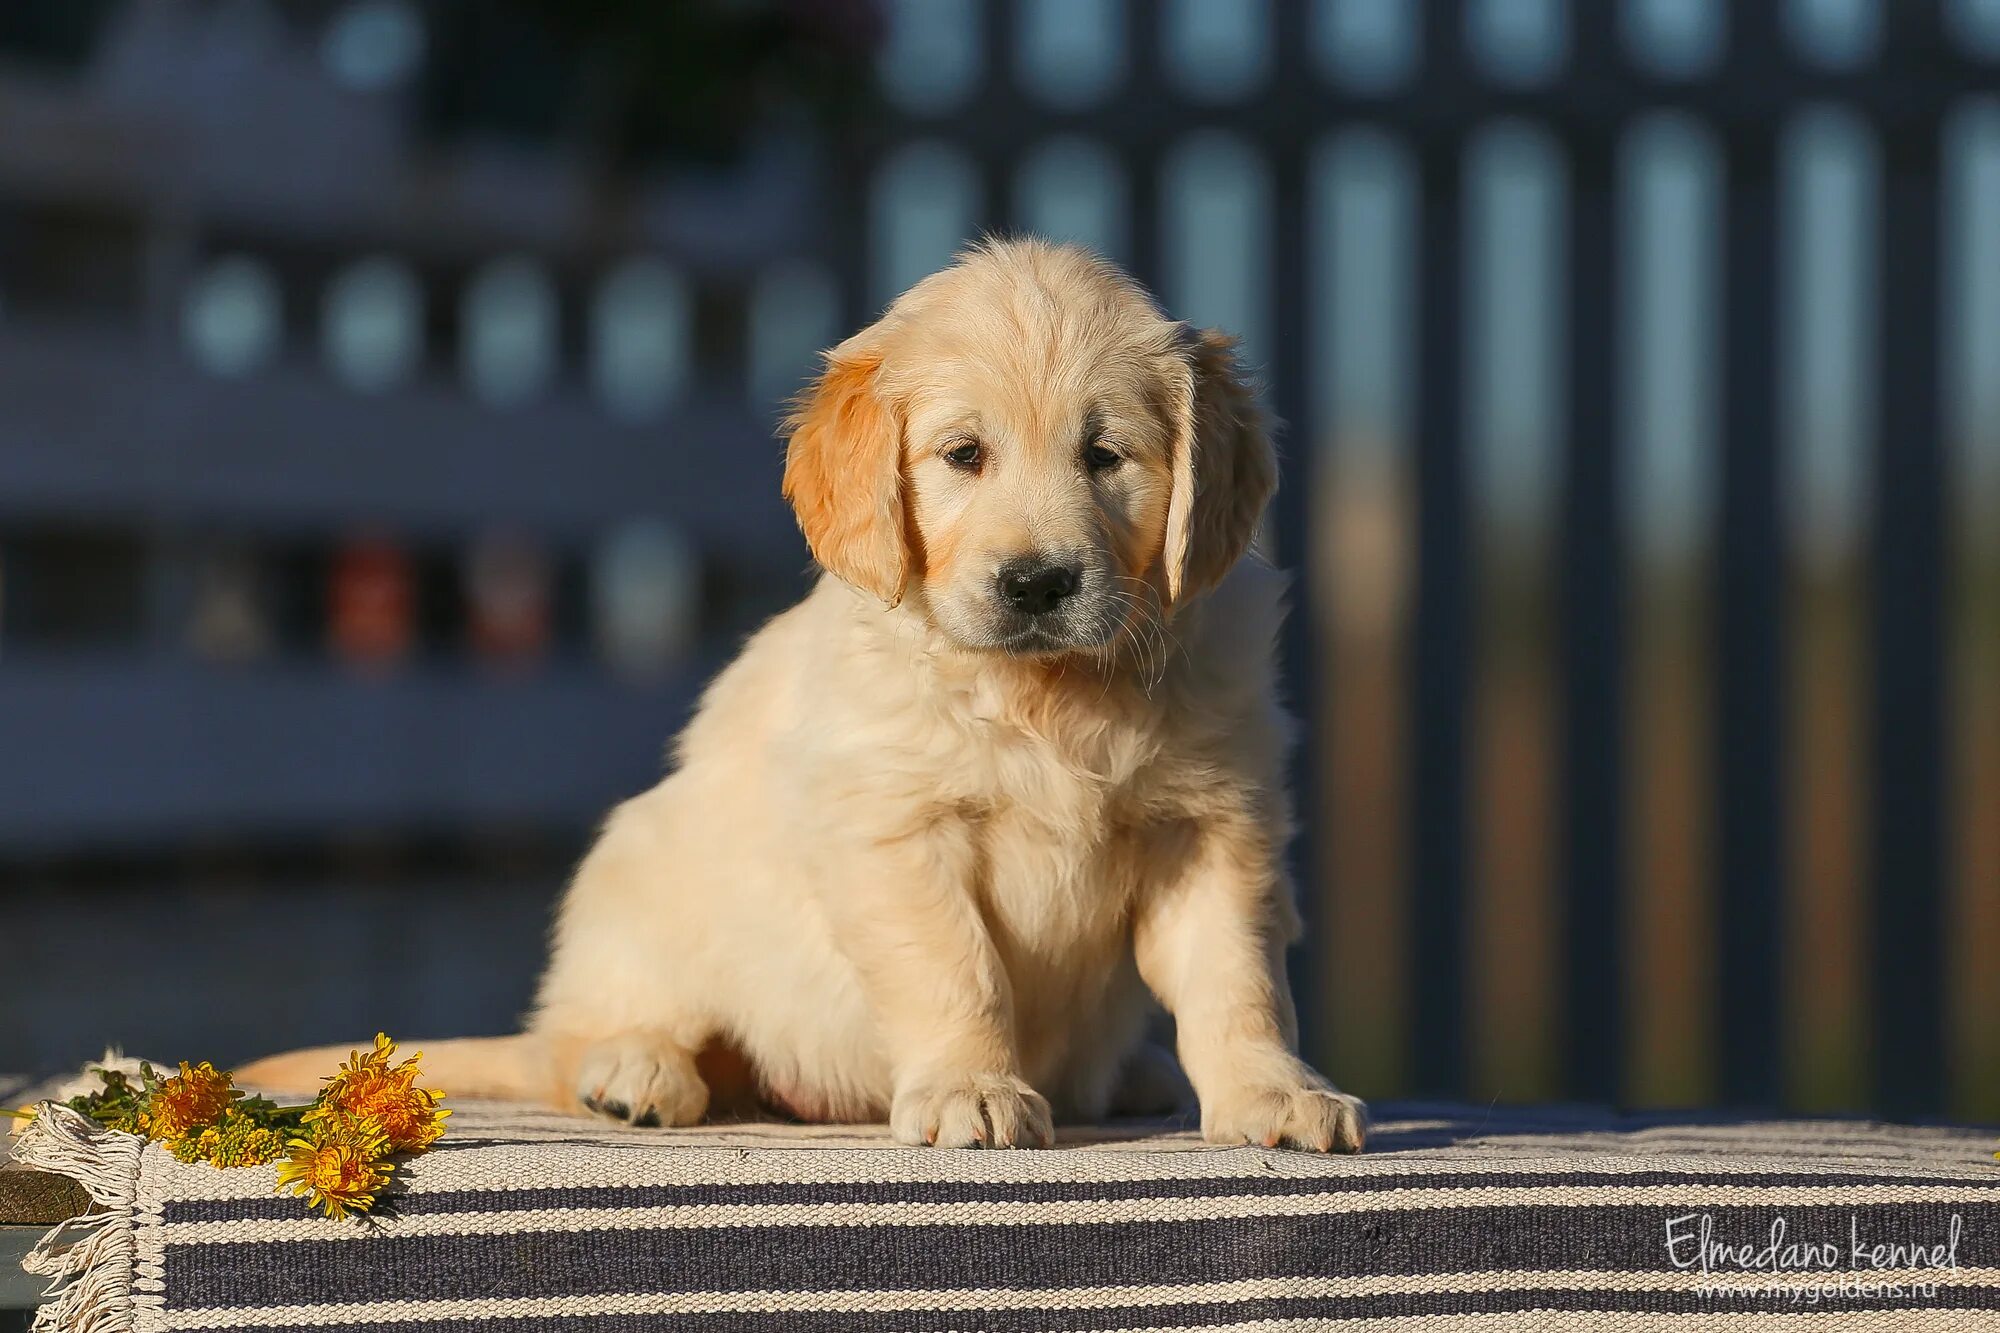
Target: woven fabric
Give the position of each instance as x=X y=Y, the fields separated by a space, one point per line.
x=1454 y=1218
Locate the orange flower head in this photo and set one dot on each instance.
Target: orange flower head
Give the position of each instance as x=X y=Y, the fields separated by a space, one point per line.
x=369 y=1088
x=199 y=1096
x=340 y=1168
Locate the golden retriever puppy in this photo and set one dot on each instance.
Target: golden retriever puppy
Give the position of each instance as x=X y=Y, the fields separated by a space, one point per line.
x=1016 y=761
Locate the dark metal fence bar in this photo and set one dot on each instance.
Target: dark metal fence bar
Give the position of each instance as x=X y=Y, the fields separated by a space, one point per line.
x=1441 y=642
x=1749 y=598
x=1144 y=145
x=1592 y=788
x=1292 y=513
x=1002 y=100
x=1908 y=870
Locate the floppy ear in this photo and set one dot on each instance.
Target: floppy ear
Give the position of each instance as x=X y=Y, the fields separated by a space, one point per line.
x=1224 y=468
x=843 y=476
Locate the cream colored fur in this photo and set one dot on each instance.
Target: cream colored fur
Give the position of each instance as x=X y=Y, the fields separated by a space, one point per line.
x=917 y=862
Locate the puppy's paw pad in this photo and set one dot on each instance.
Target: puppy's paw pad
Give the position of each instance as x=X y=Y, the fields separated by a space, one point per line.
x=1305 y=1116
x=641 y=1082
x=972 y=1111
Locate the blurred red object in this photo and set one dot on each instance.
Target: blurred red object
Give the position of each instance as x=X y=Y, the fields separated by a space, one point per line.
x=371 y=601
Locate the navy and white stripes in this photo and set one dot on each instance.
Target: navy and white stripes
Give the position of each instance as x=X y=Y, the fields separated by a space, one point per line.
x=1454 y=1219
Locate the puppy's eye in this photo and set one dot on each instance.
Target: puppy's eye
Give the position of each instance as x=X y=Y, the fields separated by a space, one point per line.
x=967 y=456
x=1098 y=458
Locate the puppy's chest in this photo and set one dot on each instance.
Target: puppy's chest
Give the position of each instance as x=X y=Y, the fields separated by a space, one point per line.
x=1061 y=834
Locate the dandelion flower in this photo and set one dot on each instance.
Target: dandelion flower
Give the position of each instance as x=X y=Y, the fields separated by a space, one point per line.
x=377 y=1058
x=369 y=1088
x=340 y=1168
x=199 y=1096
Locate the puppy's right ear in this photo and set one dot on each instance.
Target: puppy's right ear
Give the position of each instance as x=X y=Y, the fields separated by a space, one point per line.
x=843 y=475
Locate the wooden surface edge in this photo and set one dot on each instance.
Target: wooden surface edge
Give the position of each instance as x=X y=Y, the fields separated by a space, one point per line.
x=39 y=1198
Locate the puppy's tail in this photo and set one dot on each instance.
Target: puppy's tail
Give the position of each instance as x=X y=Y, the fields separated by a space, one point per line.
x=518 y=1068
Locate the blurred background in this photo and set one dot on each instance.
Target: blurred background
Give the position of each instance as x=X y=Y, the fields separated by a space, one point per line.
x=387 y=392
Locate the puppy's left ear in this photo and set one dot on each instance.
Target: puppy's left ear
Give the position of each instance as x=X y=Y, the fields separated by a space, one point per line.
x=843 y=475
x=1224 y=468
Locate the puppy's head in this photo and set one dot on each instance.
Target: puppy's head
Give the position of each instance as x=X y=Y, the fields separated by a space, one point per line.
x=1033 y=456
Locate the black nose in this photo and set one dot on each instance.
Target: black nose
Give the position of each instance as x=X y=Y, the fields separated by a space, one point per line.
x=1035 y=586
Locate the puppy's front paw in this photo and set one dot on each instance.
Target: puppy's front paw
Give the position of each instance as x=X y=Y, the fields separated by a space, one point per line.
x=642 y=1081
x=1292 y=1115
x=972 y=1111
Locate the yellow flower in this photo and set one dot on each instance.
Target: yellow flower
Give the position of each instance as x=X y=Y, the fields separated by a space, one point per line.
x=198 y=1096
x=368 y=1088
x=376 y=1059
x=253 y=1146
x=196 y=1147
x=238 y=1141
x=340 y=1168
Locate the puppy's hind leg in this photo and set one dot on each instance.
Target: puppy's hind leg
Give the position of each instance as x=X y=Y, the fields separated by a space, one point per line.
x=642 y=1078
x=624 y=1004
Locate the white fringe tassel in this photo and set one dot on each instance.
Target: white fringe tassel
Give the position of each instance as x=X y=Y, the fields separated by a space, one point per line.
x=88 y=1259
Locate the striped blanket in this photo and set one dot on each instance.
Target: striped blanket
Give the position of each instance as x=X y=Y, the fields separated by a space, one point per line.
x=1454 y=1219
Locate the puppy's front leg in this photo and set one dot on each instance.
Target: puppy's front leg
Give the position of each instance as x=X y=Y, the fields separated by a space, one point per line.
x=1211 y=944
x=904 y=913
